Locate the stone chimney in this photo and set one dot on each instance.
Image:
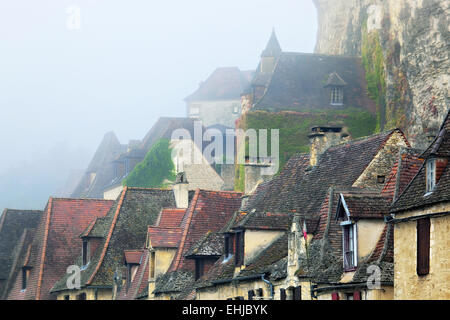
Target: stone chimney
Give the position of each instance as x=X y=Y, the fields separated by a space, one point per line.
x=181 y=191
x=321 y=138
x=254 y=173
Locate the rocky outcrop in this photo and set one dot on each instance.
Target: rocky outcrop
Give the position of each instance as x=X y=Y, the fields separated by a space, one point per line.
x=405 y=47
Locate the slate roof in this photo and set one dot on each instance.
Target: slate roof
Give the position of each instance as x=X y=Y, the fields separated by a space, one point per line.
x=101 y=164
x=211 y=244
x=12 y=225
x=414 y=194
x=19 y=257
x=363 y=204
x=273 y=48
x=222 y=84
x=300 y=82
x=299 y=188
x=57 y=242
x=264 y=221
x=123 y=228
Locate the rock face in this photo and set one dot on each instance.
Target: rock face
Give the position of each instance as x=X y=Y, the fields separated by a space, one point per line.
x=405 y=46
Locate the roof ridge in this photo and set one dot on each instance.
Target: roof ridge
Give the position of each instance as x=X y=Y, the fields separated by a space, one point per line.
x=82 y=199
x=44 y=248
x=177 y=260
x=108 y=238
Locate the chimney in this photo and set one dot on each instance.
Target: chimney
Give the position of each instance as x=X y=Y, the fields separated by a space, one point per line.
x=321 y=138
x=255 y=174
x=181 y=190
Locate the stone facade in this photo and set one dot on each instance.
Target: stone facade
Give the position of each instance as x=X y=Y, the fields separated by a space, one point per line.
x=414 y=38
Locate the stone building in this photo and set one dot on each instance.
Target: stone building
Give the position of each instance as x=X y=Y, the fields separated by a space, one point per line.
x=291 y=81
x=217 y=100
x=421 y=221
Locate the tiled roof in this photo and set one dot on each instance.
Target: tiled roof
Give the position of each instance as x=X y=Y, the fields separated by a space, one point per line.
x=12 y=225
x=409 y=164
x=57 y=243
x=299 y=82
x=209 y=211
x=133 y=256
x=171 y=217
x=211 y=244
x=414 y=195
x=299 y=188
x=164 y=237
x=265 y=221
x=124 y=228
x=101 y=165
x=222 y=84
x=140 y=280
x=365 y=205
x=19 y=257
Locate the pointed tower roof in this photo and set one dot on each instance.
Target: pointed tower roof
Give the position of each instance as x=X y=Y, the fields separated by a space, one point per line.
x=273 y=48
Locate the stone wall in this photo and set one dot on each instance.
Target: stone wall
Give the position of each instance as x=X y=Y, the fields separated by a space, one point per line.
x=415 y=40
x=407 y=284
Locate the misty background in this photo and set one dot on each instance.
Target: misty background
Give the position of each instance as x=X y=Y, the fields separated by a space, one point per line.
x=130 y=62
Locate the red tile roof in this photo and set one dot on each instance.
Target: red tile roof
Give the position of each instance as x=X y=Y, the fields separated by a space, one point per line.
x=57 y=242
x=164 y=237
x=209 y=211
x=140 y=279
x=133 y=256
x=171 y=217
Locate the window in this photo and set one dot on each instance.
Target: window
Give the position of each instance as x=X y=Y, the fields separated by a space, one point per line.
x=431 y=174
x=81 y=296
x=67 y=297
x=282 y=294
x=239 y=251
x=25 y=276
x=297 y=293
x=199 y=268
x=380 y=179
x=85 y=252
x=337 y=95
x=194 y=111
x=260 y=292
x=251 y=294
x=228 y=246
x=423 y=246
x=152 y=265
x=349 y=247
x=354 y=295
x=236 y=109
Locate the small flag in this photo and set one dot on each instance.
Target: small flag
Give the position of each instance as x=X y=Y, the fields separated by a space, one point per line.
x=305 y=235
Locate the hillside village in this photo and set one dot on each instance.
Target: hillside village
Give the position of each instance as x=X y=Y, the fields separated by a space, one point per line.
x=354 y=211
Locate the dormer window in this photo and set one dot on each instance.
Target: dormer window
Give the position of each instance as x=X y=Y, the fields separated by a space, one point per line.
x=337 y=95
x=85 y=252
x=199 y=268
x=431 y=174
x=239 y=248
x=25 y=277
x=228 y=246
x=194 y=111
x=349 y=246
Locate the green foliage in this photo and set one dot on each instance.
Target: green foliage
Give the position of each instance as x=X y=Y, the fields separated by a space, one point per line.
x=156 y=170
x=373 y=62
x=294 y=128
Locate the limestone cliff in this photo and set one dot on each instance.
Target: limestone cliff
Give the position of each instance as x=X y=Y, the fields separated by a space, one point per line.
x=405 y=47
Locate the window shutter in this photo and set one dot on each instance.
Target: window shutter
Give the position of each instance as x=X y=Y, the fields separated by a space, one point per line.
x=423 y=246
x=334 y=296
x=251 y=294
x=282 y=294
x=298 y=293
x=357 y=295
x=260 y=292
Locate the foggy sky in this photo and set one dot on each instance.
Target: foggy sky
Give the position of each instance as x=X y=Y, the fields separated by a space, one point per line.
x=131 y=62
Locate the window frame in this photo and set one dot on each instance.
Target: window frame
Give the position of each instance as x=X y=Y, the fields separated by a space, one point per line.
x=349 y=229
x=85 y=254
x=337 y=96
x=430 y=175
x=423 y=241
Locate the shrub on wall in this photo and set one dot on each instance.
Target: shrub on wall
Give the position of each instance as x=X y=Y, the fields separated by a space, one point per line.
x=156 y=170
